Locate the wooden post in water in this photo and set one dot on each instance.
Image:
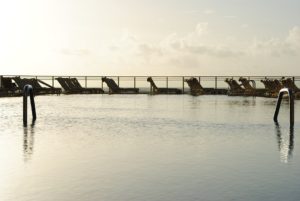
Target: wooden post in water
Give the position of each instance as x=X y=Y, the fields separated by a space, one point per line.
x=118 y=81
x=85 y=81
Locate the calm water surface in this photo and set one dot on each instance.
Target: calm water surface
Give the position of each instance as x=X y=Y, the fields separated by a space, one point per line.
x=149 y=148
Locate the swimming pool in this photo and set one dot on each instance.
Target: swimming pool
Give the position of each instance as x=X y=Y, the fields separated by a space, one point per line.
x=141 y=147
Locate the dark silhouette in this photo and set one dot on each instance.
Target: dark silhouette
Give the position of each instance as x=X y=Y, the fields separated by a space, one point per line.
x=72 y=86
x=195 y=86
x=250 y=87
x=36 y=84
x=272 y=87
x=291 y=98
x=155 y=90
x=235 y=89
x=8 y=87
x=115 y=89
x=28 y=91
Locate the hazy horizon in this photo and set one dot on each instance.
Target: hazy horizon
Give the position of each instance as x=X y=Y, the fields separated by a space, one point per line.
x=149 y=37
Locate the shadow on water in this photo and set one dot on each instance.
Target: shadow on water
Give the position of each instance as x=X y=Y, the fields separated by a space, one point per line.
x=285 y=145
x=28 y=141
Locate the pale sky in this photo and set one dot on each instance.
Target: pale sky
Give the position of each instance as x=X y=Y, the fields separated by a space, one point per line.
x=150 y=37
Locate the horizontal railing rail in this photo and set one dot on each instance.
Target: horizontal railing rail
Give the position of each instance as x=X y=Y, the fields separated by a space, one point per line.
x=140 y=81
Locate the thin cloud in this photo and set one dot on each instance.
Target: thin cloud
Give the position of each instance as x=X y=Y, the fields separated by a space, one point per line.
x=209 y=11
x=244 y=26
x=76 y=52
x=230 y=16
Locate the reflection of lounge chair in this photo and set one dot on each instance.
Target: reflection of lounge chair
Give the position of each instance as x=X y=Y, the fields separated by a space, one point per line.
x=155 y=90
x=115 y=89
x=234 y=88
x=272 y=87
x=195 y=86
x=72 y=86
x=37 y=87
x=8 y=88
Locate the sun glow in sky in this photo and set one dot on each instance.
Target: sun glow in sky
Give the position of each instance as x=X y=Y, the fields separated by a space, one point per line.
x=150 y=37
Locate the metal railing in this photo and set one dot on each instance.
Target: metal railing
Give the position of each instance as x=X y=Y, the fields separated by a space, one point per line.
x=291 y=98
x=216 y=82
x=28 y=90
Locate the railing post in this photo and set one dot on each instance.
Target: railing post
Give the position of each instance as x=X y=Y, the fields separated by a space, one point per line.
x=183 y=85
x=53 y=81
x=118 y=81
x=216 y=82
x=85 y=81
x=28 y=90
x=134 y=82
x=167 y=82
x=101 y=82
x=294 y=80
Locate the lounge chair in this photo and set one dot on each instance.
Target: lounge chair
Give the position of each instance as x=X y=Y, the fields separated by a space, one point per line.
x=195 y=86
x=289 y=83
x=272 y=87
x=115 y=89
x=8 y=88
x=72 y=86
x=155 y=90
x=235 y=89
x=37 y=86
x=250 y=87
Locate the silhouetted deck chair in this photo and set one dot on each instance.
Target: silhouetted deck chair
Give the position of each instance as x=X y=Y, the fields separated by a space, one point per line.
x=234 y=88
x=272 y=87
x=36 y=84
x=155 y=90
x=115 y=89
x=195 y=86
x=8 y=88
x=289 y=83
x=72 y=86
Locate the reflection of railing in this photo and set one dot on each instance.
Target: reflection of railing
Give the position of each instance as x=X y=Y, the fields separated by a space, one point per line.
x=285 y=145
x=28 y=90
x=291 y=98
x=28 y=142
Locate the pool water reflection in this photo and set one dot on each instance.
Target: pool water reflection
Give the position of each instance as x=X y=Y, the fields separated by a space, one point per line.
x=139 y=147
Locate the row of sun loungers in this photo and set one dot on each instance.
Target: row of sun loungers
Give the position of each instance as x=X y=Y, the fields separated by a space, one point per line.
x=248 y=87
x=72 y=86
x=13 y=86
